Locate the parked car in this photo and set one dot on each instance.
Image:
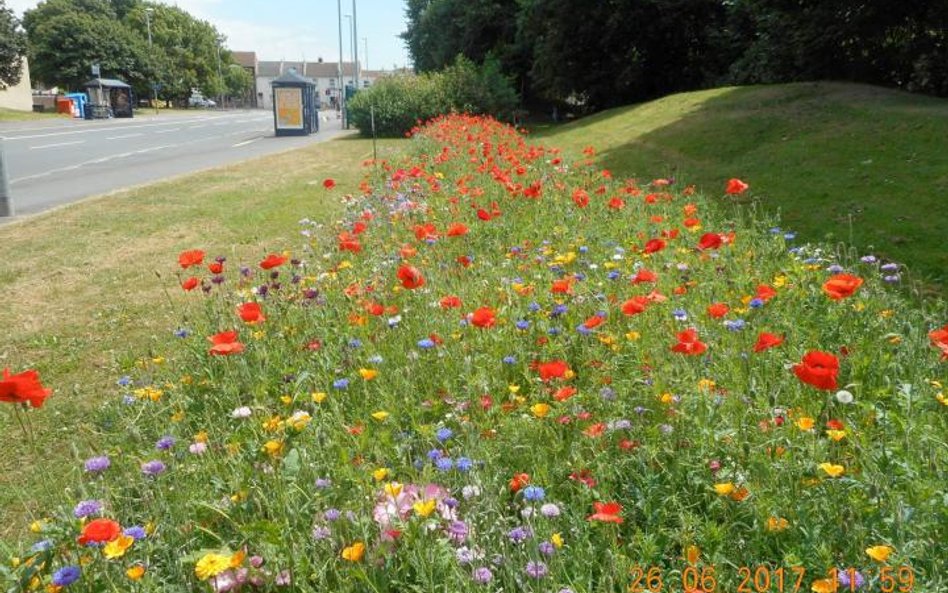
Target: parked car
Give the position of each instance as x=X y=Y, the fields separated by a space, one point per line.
x=200 y=101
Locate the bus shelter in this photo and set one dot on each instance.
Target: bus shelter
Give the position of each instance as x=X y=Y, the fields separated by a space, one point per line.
x=108 y=98
x=295 y=105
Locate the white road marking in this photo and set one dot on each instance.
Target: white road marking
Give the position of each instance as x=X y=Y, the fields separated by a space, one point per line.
x=91 y=162
x=125 y=136
x=246 y=142
x=167 y=131
x=110 y=126
x=57 y=144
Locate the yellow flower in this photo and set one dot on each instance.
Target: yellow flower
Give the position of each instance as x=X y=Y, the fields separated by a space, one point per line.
x=425 y=508
x=557 y=540
x=777 y=524
x=299 y=420
x=273 y=448
x=177 y=416
x=368 y=374
x=779 y=281
x=286 y=399
x=831 y=469
x=36 y=526
x=513 y=388
x=836 y=435
x=879 y=553
x=724 y=488
x=380 y=415
x=569 y=374
x=201 y=437
x=393 y=489
x=666 y=398
x=706 y=384
x=692 y=554
x=632 y=336
x=318 y=396
x=136 y=572
x=380 y=474
x=823 y=586
x=211 y=565
x=274 y=424
x=118 y=546
x=805 y=423
x=540 y=410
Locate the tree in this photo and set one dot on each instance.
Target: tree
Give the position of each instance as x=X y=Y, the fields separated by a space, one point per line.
x=12 y=48
x=237 y=82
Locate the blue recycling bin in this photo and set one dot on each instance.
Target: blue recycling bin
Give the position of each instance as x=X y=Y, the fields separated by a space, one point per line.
x=78 y=103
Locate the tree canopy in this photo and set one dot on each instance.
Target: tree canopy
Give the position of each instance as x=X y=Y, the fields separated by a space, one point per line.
x=12 y=47
x=598 y=54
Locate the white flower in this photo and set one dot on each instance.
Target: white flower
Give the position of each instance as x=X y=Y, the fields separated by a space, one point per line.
x=241 y=412
x=844 y=397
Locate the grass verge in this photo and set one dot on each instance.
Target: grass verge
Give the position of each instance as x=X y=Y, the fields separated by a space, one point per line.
x=840 y=162
x=83 y=297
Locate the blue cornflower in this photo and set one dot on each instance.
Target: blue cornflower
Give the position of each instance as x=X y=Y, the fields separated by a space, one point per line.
x=435 y=454
x=553 y=331
x=444 y=464
x=583 y=249
x=355 y=343
x=789 y=236
x=522 y=324
x=426 y=343
x=340 y=384
x=510 y=360
x=613 y=275
x=583 y=330
x=756 y=303
x=533 y=493
x=464 y=464
x=66 y=576
x=558 y=310
x=42 y=545
x=124 y=381
x=444 y=434
x=135 y=532
x=376 y=359
x=680 y=314
x=182 y=332
x=734 y=325
x=533 y=307
x=834 y=269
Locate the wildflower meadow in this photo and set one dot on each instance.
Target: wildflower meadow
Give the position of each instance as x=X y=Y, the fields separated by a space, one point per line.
x=507 y=369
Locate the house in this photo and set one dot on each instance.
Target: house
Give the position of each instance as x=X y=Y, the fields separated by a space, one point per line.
x=325 y=74
x=18 y=97
x=248 y=61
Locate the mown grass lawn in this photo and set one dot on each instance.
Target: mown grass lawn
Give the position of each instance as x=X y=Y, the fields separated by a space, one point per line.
x=84 y=298
x=17 y=115
x=840 y=163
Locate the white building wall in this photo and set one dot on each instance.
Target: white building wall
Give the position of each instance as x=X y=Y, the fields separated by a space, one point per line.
x=19 y=97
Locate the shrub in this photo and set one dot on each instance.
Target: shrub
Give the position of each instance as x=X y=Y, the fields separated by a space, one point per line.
x=401 y=102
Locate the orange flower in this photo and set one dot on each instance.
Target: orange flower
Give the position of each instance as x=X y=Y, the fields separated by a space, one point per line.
x=607 y=512
x=251 y=313
x=354 y=553
x=765 y=293
x=193 y=257
x=518 y=481
x=735 y=186
x=457 y=229
x=635 y=305
x=410 y=277
x=272 y=261
x=225 y=343
x=99 y=531
x=939 y=338
x=818 y=369
x=23 y=387
x=564 y=286
x=718 y=310
x=450 y=302
x=689 y=344
x=483 y=317
x=644 y=275
x=841 y=286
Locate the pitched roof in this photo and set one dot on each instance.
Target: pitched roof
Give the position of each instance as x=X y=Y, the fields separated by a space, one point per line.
x=247 y=59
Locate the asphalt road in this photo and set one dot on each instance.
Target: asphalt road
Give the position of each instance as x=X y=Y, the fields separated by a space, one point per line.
x=61 y=161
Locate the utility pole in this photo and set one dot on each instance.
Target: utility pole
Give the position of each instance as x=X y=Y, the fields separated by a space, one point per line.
x=154 y=84
x=341 y=106
x=355 y=45
x=220 y=78
x=6 y=200
x=365 y=42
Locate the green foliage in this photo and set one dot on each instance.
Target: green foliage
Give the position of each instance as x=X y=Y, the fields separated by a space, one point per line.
x=401 y=102
x=12 y=47
x=237 y=81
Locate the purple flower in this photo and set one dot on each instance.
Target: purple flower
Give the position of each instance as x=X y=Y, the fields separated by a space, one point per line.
x=66 y=576
x=536 y=570
x=322 y=483
x=426 y=343
x=86 y=508
x=546 y=548
x=550 y=510
x=890 y=267
x=843 y=576
x=519 y=534
x=835 y=269
x=153 y=467
x=464 y=555
x=98 y=464
x=457 y=531
x=444 y=464
x=483 y=575
x=164 y=443
x=868 y=259
x=321 y=532
x=332 y=514
x=444 y=434
x=340 y=383
x=135 y=532
x=464 y=464
x=283 y=579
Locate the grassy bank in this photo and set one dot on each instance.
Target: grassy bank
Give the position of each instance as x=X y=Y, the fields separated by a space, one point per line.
x=839 y=162
x=84 y=298
x=16 y=115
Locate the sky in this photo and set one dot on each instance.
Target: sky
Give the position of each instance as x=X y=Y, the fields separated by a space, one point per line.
x=299 y=29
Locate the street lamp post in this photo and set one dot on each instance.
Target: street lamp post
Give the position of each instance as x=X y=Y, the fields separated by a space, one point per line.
x=365 y=43
x=220 y=78
x=355 y=45
x=154 y=84
x=339 y=106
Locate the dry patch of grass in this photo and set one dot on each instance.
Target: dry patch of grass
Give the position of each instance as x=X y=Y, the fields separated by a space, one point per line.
x=86 y=287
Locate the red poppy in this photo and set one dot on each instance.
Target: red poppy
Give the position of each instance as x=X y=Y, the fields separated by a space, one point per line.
x=564 y=393
x=554 y=369
x=450 y=302
x=99 y=531
x=835 y=424
x=193 y=257
x=329 y=183
x=735 y=187
x=580 y=198
x=594 y=322
x=251 y=313
x=607 y=512
x=457 y=229
x=710 y=241
x=616 y=203
x=654 y=246
x=585 y=477
x=644 y=275
x=349 y=242
x=818 y=369
x=215 y=267
x=765 y=341
x=426 y=232
x=564 y=286
x=190 y=283
x=272 y=261
x=225 y=343
x=691 y=222
x=359 y=227
x=688 y=343
x=518 y=481
x=718 y=310
x=24 y=387
x=635 y=305
x=483 y=317
x=841 y=286
x=939 y=338
x=765 y=292
x=373 y=308
x=410 y=277
x=483 y=214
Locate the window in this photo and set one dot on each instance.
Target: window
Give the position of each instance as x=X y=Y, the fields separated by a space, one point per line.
x=366 y=84
x=332 y=83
